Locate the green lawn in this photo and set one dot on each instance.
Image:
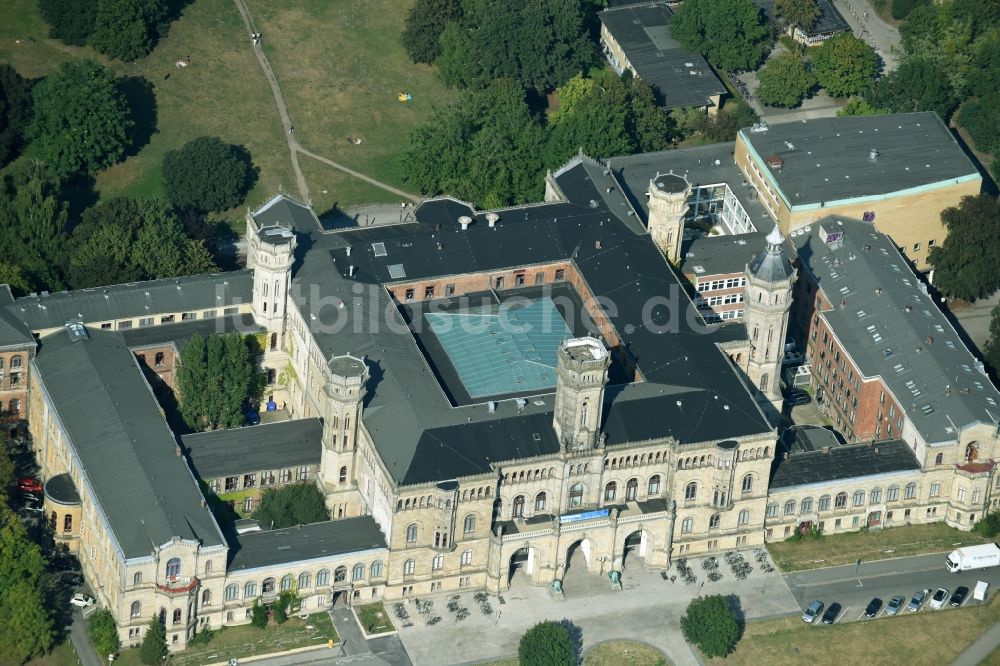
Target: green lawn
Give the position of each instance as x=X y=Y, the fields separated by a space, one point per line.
x=374 y=618
x=62 y=655
x=846 y=548
x=332 y=191
x=222 y=93
x=927 y=637
x=614 y=653
x=341 y=66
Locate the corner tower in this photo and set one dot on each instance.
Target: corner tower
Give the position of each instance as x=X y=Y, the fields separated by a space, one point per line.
x=343 y=396
x=270 y=254
x=581 y=375
x=668 y=204
x=768 y=296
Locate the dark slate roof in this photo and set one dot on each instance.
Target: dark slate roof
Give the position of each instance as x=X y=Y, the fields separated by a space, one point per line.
x=891 y=327
x=690 y=384
x=800 y=438
x=13 y=332
x=828 y=160
x=643 y=31
x=715 y=255
x=126 y=450
x=845 y=462
x=830 y=19
x=305 y=542
x=135 y=299
x=60 y=488
x=284 y=211
x=771 y=264
x=179 y=333
x=255 y=448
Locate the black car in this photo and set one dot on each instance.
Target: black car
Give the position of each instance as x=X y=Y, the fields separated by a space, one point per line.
x=831 y=614
x=874 y=606
x=71 y=579
x=958 y=598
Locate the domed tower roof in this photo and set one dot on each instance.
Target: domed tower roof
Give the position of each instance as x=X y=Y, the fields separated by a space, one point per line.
x=771 y=265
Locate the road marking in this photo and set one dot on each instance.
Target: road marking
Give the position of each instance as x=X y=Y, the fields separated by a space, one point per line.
x=842 y=615
x=861 y=615
x=860 y=584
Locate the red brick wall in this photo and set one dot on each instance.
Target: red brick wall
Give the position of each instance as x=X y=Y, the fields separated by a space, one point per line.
x=148 y=357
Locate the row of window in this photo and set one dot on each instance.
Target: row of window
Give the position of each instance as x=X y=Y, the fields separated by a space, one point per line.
x=305 y=581
x=712 y=301
x=687 y=525
x=715 y=285
x=267 y=478
x=858 y=499
x=725 y=315
x=125 y=324
x=499 y=282
x=437 y=563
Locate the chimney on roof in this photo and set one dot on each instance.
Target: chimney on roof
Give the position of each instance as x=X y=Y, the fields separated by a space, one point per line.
x=465 y=221
x=350 y=271
x=929 y=340
x=873 y=155
x=597 y=245
x=492 y=219
x=177 y=451
x=348 y=250
x=775 y=162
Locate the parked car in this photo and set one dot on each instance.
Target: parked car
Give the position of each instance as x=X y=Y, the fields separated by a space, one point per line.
x=82 y=600
x=64 y=563
x=895 y=604
x=253 y=418
x=815 y=608
x=958 y=598
x=917 y=601
x=29 y=485
x=33 y=506
x=30 y=497
x=940 y=596
x=831 y=614
x=873 y=607
x=71 y=579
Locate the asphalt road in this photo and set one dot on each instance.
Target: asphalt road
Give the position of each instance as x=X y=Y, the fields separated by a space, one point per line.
x=853 y=587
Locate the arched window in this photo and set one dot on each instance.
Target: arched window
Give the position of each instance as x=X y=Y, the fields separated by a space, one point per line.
x=469 y=526
x=971 y=452
x=411 y=533
x=654 y=485
x=323 y=578
x=859 y=497
x=343 y=474
x=691 y=492
x=806 y=505
x=747 y=485
x=540 y=502
x=358 y=572
x=177 y=616
x=892 y=495
x=610 y=490
x=232 y=591
x=173 y=568
x=339 y=574
x=286 y=582
x=137 y=578
x=713 y=522
x=408 y=567
x=841 y=501
x=763 y=382
x=631 y=490
x=744 y=517
x=14 y=406
x=517 y=510
x=136 y=609
x=911 y=491
x=938 y=459
x=15 y=362
x=267 y=587
x=466 y=558
x=437 y=563
x=790 y=507
x=375 y=570
x=772 y=509
x=824 y=503
x=875 y=496
x=206 y=598
x=208 y=568
x=686 y=525
x=250 y=589
x=305 y=580
x=576 y=495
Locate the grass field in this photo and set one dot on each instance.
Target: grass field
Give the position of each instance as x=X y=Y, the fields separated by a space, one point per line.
x=834 y=549
x=332 y=190
x=62 y=655
x=935 y=637
x=614 y=653
x=341 y=65
x=374 y=618
x=222 y=93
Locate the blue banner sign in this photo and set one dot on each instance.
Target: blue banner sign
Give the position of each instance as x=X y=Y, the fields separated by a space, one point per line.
x=586 y=515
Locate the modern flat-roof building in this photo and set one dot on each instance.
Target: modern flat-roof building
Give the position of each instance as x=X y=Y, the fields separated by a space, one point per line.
x=636 y=38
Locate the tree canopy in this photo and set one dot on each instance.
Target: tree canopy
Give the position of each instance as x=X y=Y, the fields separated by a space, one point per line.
x=785 y=80
x=15 y=112
x=845 y=65
x=103 y=632
x=919 y=84
x=127 y=29
x=858 y=106
x=423 y=27
x=903 y=8
x=70 y=21
x=546 y=644
x=965 y=264
x=295 y=504
x=154 y=643
x=730 y=33
x=208 y=175
x=711 y=624
x=81 y=120
x=33 y=222
x=218 y=380
x=28 y=629
x=981 y=117
x=991 y=351
x=801 y=13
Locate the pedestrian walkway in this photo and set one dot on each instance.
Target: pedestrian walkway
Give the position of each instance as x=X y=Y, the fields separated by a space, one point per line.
x=869 y=26
x=355 y=648
x=81 y=641
x=982 y=648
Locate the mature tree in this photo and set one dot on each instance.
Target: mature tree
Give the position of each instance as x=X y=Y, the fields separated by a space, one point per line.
x=648 y=124
x=81 y=120
x=217 y=379
x=33 y=227
x=208 y=175
x=981 y=117
x=800 y=13
x=154 y=643
x=902 y=8
x=27 y=625
x=711 y=624
x=858 y=106
x=538 y=43
x=295 y=504
x=785 y=80
x=546 y=644
x=287 y=600
x=70 y=21
x=127 y=29
x=15 y=112
x=965 y=264
x=730 y=33
x=730 y=120
x=845 y=65
x=924 y=30
x=984 y=72
x=258 y=614
x=688 y=120
x=991 y=351
x=423 y=27
x=569 y=95
x=920 y=84
x=982 y=15
x=7 y=469
x=104 y=632
x=126 y=240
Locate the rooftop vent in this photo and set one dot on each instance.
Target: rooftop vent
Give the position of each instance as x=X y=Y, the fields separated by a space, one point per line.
x=775 y=161
x=465 y=221
x=492 y=219
x=873 y=155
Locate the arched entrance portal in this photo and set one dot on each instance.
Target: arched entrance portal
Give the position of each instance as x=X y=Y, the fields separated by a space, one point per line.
x=521 y=560
x=635 y=546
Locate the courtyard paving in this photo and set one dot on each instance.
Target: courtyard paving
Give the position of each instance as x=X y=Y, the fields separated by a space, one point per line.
x=647 y=608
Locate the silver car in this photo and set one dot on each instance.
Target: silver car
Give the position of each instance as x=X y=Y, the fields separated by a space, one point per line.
x=814 y=610
x=917 y=601
x=895 y=604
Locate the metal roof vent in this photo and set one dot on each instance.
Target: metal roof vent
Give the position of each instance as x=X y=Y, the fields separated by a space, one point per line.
x=492 y=219
x=465 y=221
x=872 y=155
x=775 y=161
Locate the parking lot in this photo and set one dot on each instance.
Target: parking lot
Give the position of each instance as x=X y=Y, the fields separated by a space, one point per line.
x=853 y=586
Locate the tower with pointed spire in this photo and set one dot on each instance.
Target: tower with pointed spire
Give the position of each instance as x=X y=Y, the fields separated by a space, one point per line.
x=668 y=204
x=768 y=297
